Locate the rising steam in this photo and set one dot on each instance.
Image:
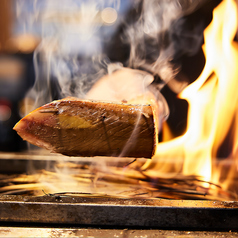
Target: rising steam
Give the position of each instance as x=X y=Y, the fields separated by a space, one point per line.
x=71 y=55
x=155 y=37
x=69 y=58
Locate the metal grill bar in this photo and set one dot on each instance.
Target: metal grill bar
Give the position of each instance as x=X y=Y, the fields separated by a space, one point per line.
x=154 y=213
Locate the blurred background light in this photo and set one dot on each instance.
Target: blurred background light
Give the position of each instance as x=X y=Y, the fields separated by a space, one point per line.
x=5 y=112
x=109 y=15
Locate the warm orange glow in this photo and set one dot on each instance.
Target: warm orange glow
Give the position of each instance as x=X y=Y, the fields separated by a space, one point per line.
x=213 y=101
x=212 y=122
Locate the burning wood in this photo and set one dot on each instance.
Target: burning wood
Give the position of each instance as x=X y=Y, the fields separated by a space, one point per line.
x=76 y=127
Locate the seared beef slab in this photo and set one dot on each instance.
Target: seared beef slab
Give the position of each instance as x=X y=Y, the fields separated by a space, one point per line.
x=77 y=127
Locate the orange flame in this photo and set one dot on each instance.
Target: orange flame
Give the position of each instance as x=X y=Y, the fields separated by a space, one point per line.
x=213 y=101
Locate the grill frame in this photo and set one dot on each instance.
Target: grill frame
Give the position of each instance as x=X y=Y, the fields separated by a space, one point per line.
x=89 y=210
x=120 y=212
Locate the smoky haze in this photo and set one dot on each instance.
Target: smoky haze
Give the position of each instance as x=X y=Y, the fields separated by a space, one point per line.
x=76 y=46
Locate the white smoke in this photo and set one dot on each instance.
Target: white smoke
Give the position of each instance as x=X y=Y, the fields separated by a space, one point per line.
x=70 y=57
x=160 y=34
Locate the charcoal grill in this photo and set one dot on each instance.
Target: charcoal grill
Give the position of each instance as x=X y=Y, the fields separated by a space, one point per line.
x=105 y=211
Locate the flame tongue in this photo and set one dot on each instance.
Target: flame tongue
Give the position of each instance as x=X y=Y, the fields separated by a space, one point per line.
x=212 y=99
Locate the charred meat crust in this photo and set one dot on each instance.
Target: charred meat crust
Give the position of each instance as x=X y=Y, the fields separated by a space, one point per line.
x=76 y=127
